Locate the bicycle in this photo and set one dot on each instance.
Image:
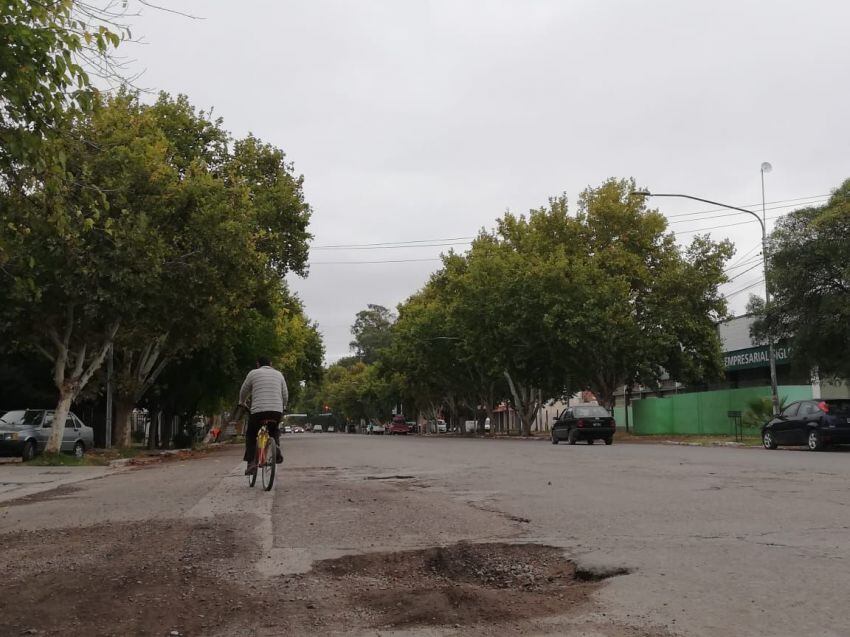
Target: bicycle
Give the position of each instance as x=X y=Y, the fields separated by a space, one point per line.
x=266 y=458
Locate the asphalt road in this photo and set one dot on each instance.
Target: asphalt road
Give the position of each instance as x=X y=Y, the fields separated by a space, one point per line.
x=717 y=541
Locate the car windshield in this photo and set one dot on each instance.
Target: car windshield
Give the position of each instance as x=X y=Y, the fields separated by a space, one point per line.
x=590 y=411
x=29 y=417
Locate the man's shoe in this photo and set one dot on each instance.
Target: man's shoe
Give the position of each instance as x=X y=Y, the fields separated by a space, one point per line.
x=252 y=468
x=279 y=457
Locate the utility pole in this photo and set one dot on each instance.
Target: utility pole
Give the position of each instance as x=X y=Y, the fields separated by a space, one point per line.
x=109 y=364
x=765 y=167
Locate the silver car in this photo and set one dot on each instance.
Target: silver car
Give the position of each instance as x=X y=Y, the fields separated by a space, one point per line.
x=24 y=432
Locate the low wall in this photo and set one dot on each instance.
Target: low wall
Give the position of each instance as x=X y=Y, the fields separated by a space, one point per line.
x=703 y=413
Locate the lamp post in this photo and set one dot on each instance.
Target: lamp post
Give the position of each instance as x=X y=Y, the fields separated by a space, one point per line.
x=765 y=167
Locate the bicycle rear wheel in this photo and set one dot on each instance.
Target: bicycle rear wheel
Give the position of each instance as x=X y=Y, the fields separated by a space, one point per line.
x=270 y=464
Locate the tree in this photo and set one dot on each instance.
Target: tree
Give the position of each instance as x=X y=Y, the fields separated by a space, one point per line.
x=81 y=256
x=236 y=225
x=553 y=302
x=371 y=331
x=48 y=50
x=809 y=278
x=153 y=227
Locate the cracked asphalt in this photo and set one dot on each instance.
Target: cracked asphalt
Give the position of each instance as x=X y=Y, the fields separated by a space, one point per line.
x=717 y=541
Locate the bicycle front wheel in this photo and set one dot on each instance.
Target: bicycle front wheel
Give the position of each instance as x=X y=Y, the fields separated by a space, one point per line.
x=270 y=464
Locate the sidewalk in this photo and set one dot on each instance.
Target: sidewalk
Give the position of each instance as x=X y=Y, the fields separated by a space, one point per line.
x=18 y=480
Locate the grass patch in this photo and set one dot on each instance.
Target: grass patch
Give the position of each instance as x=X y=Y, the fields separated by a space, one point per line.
x=66 y=460
x=704 y=441
x=94 y=458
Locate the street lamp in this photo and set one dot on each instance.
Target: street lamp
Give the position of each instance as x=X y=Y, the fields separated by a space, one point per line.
x=765 y=167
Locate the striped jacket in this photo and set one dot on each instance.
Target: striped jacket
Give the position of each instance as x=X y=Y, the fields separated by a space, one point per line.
x=266 y=388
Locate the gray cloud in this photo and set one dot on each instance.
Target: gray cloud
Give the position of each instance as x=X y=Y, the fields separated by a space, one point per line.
x=416 y=120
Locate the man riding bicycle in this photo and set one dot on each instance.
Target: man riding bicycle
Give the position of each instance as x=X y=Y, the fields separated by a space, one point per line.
x=266 y=389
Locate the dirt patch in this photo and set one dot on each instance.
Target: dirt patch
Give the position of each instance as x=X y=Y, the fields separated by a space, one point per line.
x=125 y=579
x=63 y=491
x=460 y=585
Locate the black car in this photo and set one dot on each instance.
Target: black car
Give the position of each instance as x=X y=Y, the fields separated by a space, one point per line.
x=584 y=422
x=814 y=423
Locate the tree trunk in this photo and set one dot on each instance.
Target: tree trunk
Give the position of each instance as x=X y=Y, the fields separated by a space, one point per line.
x=66 y=397
x=123 y=422
x=525 y=404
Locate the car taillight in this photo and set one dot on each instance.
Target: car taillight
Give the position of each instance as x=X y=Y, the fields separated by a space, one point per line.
x=580 y=423
x=823 y=407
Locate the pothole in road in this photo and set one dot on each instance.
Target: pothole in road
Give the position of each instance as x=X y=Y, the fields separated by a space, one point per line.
x=463 y=584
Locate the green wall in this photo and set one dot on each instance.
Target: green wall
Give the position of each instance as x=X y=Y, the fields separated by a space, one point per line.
x=620 y=417
x=702 y=413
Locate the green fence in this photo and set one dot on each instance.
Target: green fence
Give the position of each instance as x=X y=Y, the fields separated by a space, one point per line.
x=702 y=413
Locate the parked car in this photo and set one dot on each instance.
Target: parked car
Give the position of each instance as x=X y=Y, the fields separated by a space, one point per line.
x=816 y=424
x=442 y=427
x=398 y=426
x=414 y=426
x=287 y=429
x=375 y=428
x=332 y=429
x=584 y=422
x=317 y=429
x=24 y=432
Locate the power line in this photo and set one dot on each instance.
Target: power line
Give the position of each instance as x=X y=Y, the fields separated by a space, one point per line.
x=391 y=247
x=754 y=259
x=732 y=214
x=448 y=241
x=728 y=225
x=744 y=289
x=744 y=256
x=385 y=243
x=740 y=274
x=370 y=262
x=752 y=205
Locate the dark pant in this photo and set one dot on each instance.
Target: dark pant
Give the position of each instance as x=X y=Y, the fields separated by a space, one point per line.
x=268 y=418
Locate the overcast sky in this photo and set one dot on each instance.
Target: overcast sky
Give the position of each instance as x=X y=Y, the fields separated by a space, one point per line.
x=417 y=120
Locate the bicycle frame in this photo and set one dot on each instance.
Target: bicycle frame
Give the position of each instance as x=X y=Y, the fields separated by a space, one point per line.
x=262 y=441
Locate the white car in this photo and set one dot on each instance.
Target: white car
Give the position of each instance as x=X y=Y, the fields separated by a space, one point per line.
x=375 y=428
x=331 y=429
x=317 y=429
x=287 y=429
x=442 y=427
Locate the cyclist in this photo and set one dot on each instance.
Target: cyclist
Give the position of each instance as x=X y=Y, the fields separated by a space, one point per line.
x=266 y=388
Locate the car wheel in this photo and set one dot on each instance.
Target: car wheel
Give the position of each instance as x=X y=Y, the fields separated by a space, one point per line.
x=814 y=440
x=590 y=441
x=29 y=451
x=554 y=439
x=79 y=449
x=609 y=440
x=572 y=436
x=768 y=440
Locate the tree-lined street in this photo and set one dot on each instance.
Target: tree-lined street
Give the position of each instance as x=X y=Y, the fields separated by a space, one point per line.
x=708 y=536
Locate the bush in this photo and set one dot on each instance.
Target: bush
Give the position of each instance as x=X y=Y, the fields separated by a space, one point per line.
x=760 y=411
x=137 y=436
x=182 y=440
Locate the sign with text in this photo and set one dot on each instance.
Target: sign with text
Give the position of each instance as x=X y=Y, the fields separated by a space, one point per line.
x=753 y=357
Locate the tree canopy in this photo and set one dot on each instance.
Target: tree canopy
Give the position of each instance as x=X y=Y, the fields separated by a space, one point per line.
x=371 y=331
x=160 y=230
x=809 y=278
x=549 y=302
